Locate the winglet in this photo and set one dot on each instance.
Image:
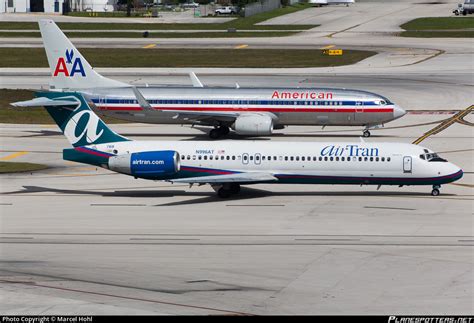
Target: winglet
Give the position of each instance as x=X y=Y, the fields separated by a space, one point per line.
x=194 y=79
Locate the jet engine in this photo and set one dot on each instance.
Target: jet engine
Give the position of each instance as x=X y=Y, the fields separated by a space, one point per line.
x=147 y=164
x=253 y=124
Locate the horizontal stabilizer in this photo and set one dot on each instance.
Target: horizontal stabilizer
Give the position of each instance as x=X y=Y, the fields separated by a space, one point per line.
x=231 y=178
x=194 y=79
x=44 y=102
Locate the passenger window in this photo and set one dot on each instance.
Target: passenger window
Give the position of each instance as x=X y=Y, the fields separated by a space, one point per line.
x=292 y=158
x=383 y=159
x=314 y=158
x=275 y=158
x=297 y=158
x=342 y=158
x=199 y=157
x=320 y=158
x=233 y=157
x=371 y=158
x=388 y=159
x=189 y=157
x=376 y=159
x=365 y=158
x=228 y=157
x=194 y=157
x=326 y=158
x=331 y=158
x=348 y=158
x=222 y=157
x=302 y=158
x=251 y=157
x=360 y=158
x=205 y=157
x=211 y=157
x=337 y=158
x=263 y=157
x=245 y=157
x=286 y=158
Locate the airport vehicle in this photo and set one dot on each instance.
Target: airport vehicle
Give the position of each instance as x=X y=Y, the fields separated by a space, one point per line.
x=464 y=8
x=190 y=5
x=225 y=11
x=248 y=111
x=226 y=165
x=320 y=3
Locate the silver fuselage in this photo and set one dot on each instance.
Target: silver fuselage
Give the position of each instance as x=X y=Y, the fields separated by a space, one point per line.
x=290 y=106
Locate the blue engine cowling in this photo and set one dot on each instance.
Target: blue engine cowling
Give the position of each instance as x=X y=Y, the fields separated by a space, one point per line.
x=148 y=164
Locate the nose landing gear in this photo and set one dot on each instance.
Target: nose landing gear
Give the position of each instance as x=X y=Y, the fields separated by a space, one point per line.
x=435 y=191
x=366 y=133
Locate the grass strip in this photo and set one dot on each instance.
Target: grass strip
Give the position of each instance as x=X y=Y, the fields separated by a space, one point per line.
x=448 y=27
x=156 y=35
x=176 y=57
x=13 y=167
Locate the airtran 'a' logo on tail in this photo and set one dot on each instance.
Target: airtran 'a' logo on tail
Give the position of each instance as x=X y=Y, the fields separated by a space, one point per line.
x=83 y=128
x=69 y=66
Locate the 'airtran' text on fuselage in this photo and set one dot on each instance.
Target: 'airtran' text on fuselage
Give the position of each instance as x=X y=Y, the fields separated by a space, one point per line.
x=301 y=95
x=349 y=151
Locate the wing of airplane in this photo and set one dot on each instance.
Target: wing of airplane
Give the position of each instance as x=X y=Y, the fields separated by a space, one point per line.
x=252 y=177
x=43 y=102
x=206 y=116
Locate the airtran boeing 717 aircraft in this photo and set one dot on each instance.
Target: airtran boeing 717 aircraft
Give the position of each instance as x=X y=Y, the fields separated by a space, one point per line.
x=226 y=165
x=248 y=111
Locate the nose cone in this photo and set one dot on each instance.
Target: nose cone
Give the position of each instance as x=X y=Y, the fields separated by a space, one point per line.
x=398 y=112
x=453 y=173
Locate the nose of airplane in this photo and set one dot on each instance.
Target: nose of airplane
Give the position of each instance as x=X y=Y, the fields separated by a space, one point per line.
x=398 y=112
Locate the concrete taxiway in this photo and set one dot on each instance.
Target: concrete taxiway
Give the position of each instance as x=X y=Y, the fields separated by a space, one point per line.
x=76 y=239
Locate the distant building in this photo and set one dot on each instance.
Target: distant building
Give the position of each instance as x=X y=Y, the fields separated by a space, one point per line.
x=49 y=6
x=55 y=6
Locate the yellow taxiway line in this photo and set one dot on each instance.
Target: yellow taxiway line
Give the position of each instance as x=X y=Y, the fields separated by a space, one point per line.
x=241 y=46
x=149 y=46
x=15 y=155
x=328 y=46
x=445 y=124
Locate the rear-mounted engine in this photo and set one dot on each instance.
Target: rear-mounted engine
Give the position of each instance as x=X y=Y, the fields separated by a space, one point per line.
x=148 y=164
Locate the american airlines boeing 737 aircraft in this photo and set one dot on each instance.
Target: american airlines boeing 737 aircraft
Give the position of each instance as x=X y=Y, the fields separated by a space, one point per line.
x=225 y=165
x=248 y=111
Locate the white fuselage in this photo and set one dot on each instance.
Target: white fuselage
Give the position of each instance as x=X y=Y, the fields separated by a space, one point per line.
x=302 y=162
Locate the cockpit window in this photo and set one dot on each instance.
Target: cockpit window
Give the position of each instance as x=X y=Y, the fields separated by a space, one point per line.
x=382 y=102
x=432 y=157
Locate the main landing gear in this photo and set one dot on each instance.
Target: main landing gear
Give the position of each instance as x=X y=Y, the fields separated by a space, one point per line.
x=219 y=132
x=435 y=191
x=226 y=190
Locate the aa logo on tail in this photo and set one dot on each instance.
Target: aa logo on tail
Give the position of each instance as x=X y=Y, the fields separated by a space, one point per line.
x=76 y=128
x=75 y=66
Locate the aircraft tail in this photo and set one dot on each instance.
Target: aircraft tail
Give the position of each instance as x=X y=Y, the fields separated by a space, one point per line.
x=75 y=118
x=69 y=69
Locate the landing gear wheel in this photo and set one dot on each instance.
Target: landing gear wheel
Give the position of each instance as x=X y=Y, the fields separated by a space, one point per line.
x=224 y=193
x=219 y=132
x=224 y=130
x=214 y=133
x=366 y=133
x=435 y=191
